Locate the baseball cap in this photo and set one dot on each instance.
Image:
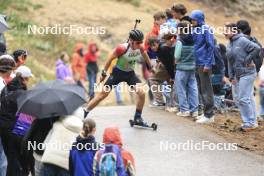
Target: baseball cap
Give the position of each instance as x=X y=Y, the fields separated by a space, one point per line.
x=25 y=71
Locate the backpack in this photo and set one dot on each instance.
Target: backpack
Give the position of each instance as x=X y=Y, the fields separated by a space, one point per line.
x=258 y=61
x=219 y=66
x=109 y=161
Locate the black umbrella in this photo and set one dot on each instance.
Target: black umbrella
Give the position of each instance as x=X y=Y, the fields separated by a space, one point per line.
x=50 y=99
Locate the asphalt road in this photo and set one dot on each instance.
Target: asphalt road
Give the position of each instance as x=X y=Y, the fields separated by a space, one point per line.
x=176 y=148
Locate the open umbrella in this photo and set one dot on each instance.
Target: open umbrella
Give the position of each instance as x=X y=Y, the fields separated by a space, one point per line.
x=3 y=23
x=51 y=99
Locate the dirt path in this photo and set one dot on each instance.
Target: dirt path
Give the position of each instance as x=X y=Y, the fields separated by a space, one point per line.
x=161 y=153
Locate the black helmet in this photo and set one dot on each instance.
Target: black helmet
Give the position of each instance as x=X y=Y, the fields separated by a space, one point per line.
x=136 y=35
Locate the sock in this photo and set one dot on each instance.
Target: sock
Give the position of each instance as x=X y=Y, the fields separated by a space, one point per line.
x=138 y=114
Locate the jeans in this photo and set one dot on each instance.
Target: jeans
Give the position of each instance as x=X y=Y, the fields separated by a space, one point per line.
x=246 y=99
x=3 y=161
x=187 y=91
x=92 y=81
x=169 y=92
x=206 y=92
x=261 y=99
x=156 y=88
x=52 y=170
x=118 y=94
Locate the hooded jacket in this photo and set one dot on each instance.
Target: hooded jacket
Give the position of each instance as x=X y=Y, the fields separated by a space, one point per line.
x=240 y=55
x=78 y=63
x=203 y=41
x=112 y=136
x=62 y=70
x=8 y=108
x=81 y=161
x=91 y=55
x=59 y=140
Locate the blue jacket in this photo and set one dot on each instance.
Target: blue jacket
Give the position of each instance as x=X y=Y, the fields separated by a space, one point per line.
x=81 y=161
x=203 y=41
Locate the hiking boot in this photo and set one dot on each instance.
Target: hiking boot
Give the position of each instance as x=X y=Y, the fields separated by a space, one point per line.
x=205 y=120
x=183 y=114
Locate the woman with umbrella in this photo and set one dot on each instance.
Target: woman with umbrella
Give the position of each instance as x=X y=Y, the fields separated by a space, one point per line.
x=8 y=110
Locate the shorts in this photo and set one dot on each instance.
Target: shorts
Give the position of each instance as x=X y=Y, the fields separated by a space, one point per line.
x=119 y=76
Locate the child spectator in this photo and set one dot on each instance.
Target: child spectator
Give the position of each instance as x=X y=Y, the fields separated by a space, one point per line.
x=125 y=164
x=83 y=150
x=186 y=84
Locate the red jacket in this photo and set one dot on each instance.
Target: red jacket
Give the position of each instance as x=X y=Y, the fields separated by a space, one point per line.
x=112 y=136
x=92 y=54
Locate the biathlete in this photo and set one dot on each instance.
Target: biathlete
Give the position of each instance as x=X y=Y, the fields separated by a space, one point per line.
x=127 y=54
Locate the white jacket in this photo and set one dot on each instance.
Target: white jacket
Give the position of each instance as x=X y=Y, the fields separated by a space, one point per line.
x=60 y=138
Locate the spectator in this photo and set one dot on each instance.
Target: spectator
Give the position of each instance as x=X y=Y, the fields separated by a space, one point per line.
x=8 y=112
x=78 y=63
x=20 y=57
x=179 y=13
x=204 y=54
x=186 y=84
x=159 y=19
x=242 y=73
x=7 y=64
x=83 y=150
x=63 y=71
x=125 y=161
x=91 y=58
x=244 y=27
x=55 y=160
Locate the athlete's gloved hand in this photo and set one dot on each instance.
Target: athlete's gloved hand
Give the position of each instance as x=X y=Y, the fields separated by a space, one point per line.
x=103 y=76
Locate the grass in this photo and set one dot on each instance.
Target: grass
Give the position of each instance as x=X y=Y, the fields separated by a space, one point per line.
x=135 y=3
x=43 y=49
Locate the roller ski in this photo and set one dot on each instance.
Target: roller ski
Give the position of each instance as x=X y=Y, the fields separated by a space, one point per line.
x=141 y=124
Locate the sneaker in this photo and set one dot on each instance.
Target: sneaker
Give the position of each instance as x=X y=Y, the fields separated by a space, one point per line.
x=183 y=114
x=172 y=109
x=195 y=114
x=199 y=116
x=247 y=128
x=205 y=120
x=157 y=105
